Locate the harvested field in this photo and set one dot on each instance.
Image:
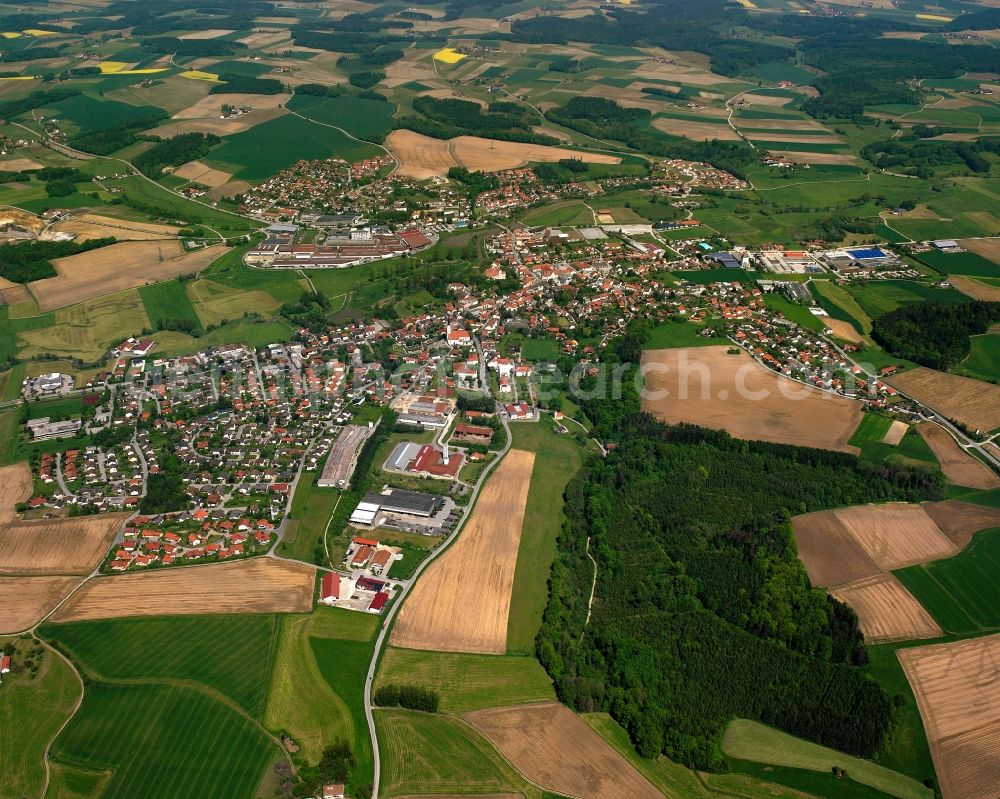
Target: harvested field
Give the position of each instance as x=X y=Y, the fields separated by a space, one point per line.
x=680 y=74
x=13 y=293
x=27 y=600
x=702 y=131
x=972 y=402
x=200 y=173
x=896 y=534
x=895 y=433
x=957 y=687
x=556 y=749
x=975 y=289
x=18 y=165
x=886 y=610
x=961 y=520
x=262 y=39
x=710 y=387
x=118 y=267
x=780 y=124
x=230 y=189
x=958 y=466
x=829 y=552
x=793 y=138
x=57 y=546
x=462 y=602
x=988 y=248
x=260 y=585
x=211 y=106
x=814 y=158
x=423 y=157
x=95 y=226
x=212 y=33
x=15 y=486
x=843 y=330
x=217 y=126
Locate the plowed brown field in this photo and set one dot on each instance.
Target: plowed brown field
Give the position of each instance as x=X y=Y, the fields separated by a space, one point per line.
x=886 y=610
x=261 y=585
x=895 y=433
x=958 y=465
x=972 y=402
x=975 y=289
x=896 y=534
x=26 y=600
x=831 y=555
x=118 y=267
x=708 y=386
x=957 y=687
x=15 y=486
x=555 y=749
x=961 y=520
x=462 y=601
x=57 y=546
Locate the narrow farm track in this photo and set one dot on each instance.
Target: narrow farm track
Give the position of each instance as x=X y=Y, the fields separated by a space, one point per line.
x=69 y=718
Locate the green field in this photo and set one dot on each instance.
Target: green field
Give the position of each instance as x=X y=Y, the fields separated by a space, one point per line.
x=258 y=153
x=424 y=753
x=877 y=297
x=85 y=113
x=557 y=458
x=872 y=429
x=311 y=510
x=793 y=311
x=749 y=740
x=561 y=212
x=962 y=593
x=233 y=653
x=912 y=450
x=365 y=119
x=158 y=202
x=31 y=711
x=839 y=303
x=129 y=730
x=678 y=782
x=468 y=682
x=984 y=360
x=312 y=724
x=960 y=263
x=680 y=334
x=63 y=407
x=343 y=664
x=166 y=302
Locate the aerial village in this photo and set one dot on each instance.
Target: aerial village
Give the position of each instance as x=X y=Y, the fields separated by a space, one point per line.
x=240 y=425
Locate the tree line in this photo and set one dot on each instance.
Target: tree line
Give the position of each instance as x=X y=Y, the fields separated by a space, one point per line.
x=934 y=334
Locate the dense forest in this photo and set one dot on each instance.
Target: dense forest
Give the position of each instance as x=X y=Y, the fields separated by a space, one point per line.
x=245 y=84
x=702 y=611
x=921 y=156
x=933 y=334
x=108 y=140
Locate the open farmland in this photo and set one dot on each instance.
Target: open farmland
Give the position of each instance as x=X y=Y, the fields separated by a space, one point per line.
x=975 y=289
x=554 y=748
x=958 y=466
x=32 y=709
x=423 y=157
x=961 y=520
x=972 y=402
x=886 y=610
x=895 y=433
x=57 y=546
x=118 y=267
x=844 y=330
x=261 y=585
x=15 y=486
x=957 y=687
x=204 y=175
x=988 y=248
x=26 y=600
x=710 y=387
x=462 y=602
x=264 y=106
x=96 y=226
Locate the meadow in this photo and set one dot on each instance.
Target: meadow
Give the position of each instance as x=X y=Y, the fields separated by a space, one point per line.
x=912 y=450
x=677 y=334
x=311 y=510
x=839 y=303
x=882 y=296
x=468 y=681
x=962 y=592
x=558 y=459
x=984 y=360
x=157 y=201
x=252 y=155
x=31 y=712
x=365 y=119
x=234 y=653
x=426 y=753
x=168 y=302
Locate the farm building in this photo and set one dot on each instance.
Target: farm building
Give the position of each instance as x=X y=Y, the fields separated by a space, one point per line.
x=519 y=411
x=335 y=587
x=431 y=462
x=473 y=434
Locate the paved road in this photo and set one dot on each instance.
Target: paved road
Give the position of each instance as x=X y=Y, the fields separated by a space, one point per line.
x=394 y=607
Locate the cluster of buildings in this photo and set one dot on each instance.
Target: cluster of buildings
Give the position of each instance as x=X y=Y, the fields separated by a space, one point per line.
x=355 y=246
x=47 y=385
